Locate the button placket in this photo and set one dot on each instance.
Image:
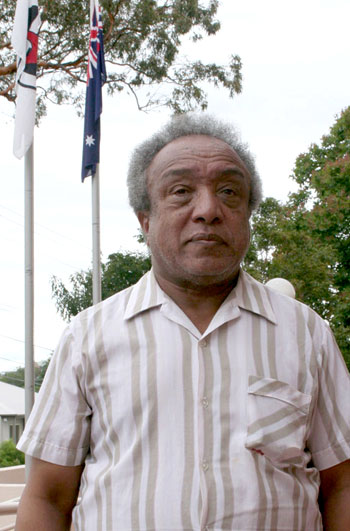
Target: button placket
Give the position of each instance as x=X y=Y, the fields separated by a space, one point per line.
x=203 y=411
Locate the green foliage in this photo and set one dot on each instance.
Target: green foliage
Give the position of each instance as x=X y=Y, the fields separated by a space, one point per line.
x=142 y=40
x=307 y=240
x=9 y=455
x=323 y=174
x=17 y=377
x=13 y=377
x=283 y=246
x=265 y=236
x=119 y=272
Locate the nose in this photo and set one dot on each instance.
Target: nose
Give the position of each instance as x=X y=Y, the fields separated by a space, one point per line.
x=207 y=207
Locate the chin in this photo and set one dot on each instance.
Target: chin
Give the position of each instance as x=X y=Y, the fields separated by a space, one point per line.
x=209 y=277
x=212 y=268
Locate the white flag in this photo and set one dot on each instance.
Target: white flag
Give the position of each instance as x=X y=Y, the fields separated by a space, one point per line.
x=25 y=43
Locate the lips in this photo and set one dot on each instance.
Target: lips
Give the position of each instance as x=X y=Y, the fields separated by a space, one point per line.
x=203 y=237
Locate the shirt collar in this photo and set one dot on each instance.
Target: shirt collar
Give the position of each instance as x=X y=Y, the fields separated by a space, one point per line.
x=251 y=295
x=248 y=294
x=145 y=294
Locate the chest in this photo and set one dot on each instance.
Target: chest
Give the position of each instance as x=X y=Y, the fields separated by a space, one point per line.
x=155 y=372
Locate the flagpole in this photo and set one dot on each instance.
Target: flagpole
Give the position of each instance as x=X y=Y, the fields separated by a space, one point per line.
x=91 y=144
x=29 y=285
x=24 y=41
x=96 y=244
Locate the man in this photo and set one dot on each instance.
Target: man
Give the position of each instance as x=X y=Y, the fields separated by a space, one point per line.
x=198 y=399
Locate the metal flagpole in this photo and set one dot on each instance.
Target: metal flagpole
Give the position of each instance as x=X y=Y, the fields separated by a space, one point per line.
x=91 y=145
x=95 y=214
x=96 y=245
x=29 y=285
x=25 y=43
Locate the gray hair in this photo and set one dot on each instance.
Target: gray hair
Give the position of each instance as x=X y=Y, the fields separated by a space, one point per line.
x=179 y=126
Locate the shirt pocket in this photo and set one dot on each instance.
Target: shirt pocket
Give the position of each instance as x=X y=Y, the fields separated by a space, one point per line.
x=277 y=416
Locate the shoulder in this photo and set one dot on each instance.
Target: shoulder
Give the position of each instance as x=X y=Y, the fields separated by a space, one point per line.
x=287 y=312
x=112 y=308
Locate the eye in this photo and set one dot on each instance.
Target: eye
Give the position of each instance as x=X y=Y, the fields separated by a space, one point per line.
x=228 y=191
x=180 y=191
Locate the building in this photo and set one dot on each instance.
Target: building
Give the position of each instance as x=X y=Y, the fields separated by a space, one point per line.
x=11 y=412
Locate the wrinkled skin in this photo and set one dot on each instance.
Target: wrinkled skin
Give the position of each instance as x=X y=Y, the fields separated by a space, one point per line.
x=198 y=225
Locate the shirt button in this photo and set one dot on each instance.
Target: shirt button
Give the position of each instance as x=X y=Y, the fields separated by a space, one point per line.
x=205 y=402
x=204 y=343
x=205 y=465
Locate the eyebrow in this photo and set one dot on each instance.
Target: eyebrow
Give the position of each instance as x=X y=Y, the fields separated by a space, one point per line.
x=187 y=172
x=234 y=170
x=177 y=172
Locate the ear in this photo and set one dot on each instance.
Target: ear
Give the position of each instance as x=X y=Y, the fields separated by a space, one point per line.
x=143 y=218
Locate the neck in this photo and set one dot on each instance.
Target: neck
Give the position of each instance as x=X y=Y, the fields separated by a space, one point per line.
x=201 y=303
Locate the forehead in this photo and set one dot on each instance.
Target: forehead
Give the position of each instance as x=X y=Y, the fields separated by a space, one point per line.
x=194 y=150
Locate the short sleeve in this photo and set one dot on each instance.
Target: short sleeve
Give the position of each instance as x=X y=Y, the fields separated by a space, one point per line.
x=329 y=439
x=58 y=429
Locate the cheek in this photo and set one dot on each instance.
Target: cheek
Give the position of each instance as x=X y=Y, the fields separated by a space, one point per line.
x=167 y=222
x=239 y=225
x=159 y=234
x=246 y=232
x=164 y=240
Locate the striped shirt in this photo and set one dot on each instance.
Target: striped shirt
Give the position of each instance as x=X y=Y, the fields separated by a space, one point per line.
x=181 y=431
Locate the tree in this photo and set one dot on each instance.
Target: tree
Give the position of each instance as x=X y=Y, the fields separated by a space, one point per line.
x=264 y=241
x=16 y=377
x=119 y=272
x=282 y=245
x=142 y=39
x=323 y=198
x=307 y=240
x=9 y=455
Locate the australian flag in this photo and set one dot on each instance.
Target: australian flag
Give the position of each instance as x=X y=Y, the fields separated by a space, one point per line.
x=96 y=76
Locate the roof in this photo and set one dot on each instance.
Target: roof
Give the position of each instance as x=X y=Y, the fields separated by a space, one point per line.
x=11 y=399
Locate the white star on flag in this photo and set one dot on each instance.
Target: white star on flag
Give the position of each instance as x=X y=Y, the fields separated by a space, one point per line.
x=90 y=141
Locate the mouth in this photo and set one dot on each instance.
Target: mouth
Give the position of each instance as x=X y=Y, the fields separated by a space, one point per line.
x=207 y=238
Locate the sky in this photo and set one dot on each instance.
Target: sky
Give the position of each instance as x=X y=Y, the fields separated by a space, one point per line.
x=296 y=80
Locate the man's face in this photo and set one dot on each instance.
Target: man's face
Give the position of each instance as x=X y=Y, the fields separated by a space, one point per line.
x=198 y=225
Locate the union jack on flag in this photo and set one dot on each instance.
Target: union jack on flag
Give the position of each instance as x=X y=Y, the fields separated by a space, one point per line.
x=96 y=76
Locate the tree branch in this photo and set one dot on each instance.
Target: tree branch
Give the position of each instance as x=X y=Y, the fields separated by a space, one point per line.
x=6 y=93
x=61 y=66
x=9 y=69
